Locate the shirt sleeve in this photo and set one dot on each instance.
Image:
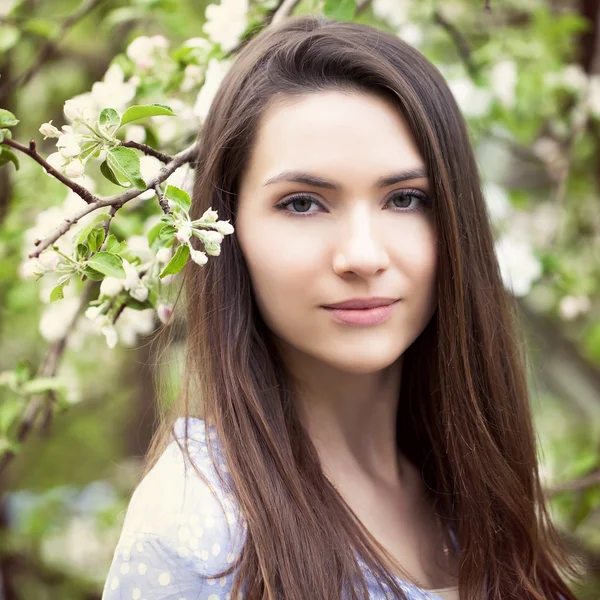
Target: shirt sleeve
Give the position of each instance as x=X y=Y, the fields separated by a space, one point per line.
x=178 y=533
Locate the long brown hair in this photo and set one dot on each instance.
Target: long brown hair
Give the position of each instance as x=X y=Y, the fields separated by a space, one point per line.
x=464 y=414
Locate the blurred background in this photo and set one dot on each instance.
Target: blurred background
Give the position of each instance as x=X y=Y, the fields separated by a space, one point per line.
x=526 y=74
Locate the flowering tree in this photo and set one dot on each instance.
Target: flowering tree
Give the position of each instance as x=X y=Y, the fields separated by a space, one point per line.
x=105 y=257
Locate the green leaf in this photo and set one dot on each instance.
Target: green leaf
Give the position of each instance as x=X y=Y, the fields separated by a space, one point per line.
x=152 y=235
x=107 y=263
x=22 y=372
x=95 y=239
x=135 y=113
x=44 y=28
x=178 y=196
x=109 y=121
x=167 y=232
x=10 y=410
x=7 y=119
x=125 y=163
x=57 y=293
x=114 y=246
x=9 y=36
x=86 y=230
x=107 y=172
x=8 y=156
x=340 y=10
x=93 y=274
x=177 y=262
x=43 y=384
x=81 y=251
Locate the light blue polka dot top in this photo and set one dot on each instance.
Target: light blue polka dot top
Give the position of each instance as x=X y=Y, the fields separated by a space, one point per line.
x=175 y=532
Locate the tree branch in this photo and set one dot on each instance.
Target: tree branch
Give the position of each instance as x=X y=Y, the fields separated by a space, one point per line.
x=84 y=9
x=32 y=151
x=165 y=158
x=185 y=156
x=48 y=368
x=461 y=43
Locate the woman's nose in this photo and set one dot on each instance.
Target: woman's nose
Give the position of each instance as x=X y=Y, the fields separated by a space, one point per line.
x=359 y=247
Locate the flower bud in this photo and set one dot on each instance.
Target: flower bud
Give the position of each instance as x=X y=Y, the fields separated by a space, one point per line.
x=163 y=256
x=111 y=286
x=74 y=169
x=48 y=130
x=184 y=233
x=199 y=257
x=68 y=145
x=210 y=216
x=110 y=333
x=92 y=312
x=224 y=227
x=212 y=249
x=139 y=292
x=164 y=313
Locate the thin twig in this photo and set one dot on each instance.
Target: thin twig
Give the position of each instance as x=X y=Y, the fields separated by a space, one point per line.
x=463 y=47
x=165 y=158
x=361 y=7
x=21 y=80
x=48 y=368
x=84 y=9
x=179 y=159
x=581 y=483
x=285 y=9
x=32 y=151
x=161 y=200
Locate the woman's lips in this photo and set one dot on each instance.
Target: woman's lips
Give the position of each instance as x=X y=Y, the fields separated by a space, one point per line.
x=363 y=316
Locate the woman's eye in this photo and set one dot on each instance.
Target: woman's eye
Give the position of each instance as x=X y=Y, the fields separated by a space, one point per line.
x=301 y=202
x=405 y=201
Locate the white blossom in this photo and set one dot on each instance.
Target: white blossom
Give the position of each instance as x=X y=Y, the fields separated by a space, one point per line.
x=572 y=77
x=412 y=34
x=81 y=108
x=224 y=227
x=593 y=98
x=215 y=72
x=75 y=169
x=68 y=144
x=48 y=130
x=198 y=257
x=133 y=283
x=57 y=161
x=184 y=233
x=135 y=133
x=113 y=90
x=110 y=333
x=164 y=313
x=144 y=50
x=192 y=77
x=226 y=22
x=163 y=256
x=210 y=216
x=497 y=201
x=182 y=178
x=504 y=82
x=149 y=168
x=570 y=307
x=519 y=266
x=138 y=244
x=111 y=286
x=6 y=7
x=473 y=101
x=395 y=12
x=132 y=323
x=57 y=318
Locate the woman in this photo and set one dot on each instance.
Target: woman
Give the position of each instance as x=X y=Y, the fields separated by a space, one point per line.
x=381 y=449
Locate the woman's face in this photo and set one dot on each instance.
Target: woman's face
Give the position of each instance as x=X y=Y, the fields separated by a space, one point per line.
x=354 y=235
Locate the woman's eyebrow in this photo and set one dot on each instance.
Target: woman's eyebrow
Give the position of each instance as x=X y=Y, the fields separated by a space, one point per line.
x=310 y=179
